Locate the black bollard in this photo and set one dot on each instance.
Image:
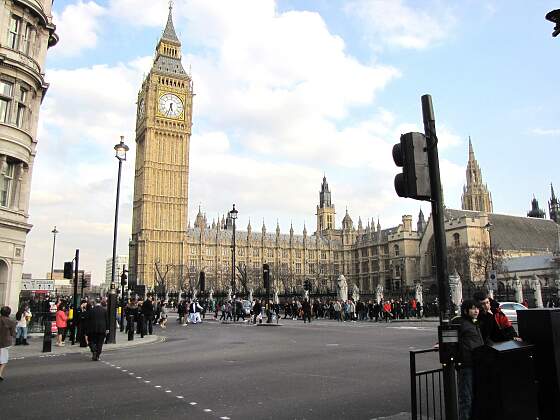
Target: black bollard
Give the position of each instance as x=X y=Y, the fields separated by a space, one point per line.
x=47 y=337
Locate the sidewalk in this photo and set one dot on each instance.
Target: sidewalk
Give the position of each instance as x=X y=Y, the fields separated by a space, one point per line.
x=35 y=346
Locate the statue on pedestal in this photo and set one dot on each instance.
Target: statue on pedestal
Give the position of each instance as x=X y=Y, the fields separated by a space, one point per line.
x=456 y=288
x=518 y=287
x=379 y=293
x=342 y=288
x=250 y=298
x=418 y=294
x=355 y=293
x=536 y=286
x=276 y=298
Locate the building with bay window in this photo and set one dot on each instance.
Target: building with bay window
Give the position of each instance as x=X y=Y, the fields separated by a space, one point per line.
x=23 y=50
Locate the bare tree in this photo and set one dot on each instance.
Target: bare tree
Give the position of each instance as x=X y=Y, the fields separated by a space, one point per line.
x=473 y=264
x=242 y=276
x=161 y=278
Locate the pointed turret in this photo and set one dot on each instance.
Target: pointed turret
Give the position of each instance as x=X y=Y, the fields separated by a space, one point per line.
x=277 y=228
x=304 y=231
x=325 y=209
x=199 y=221
x=169 y=33
x=168 y=51
x=535 y=210
x=475 y=196
x=421 y=225
x=263 y=229
x=291 y=229
x=554 y=206
x=347 y=222
x=249 y=228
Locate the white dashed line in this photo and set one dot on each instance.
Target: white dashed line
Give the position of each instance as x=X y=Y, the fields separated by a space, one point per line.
x=131 y=373
x=180 y=397
x=207 y=410
x=138 y=377
x=192 y=403
x=157 y=386
x=124 y=370
x=224 y=418
x=147 y=382
x=167 y=390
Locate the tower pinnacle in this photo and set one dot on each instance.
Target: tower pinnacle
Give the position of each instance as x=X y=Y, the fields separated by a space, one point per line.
x=476 y=196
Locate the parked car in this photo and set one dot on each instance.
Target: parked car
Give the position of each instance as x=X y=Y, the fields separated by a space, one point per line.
x=511 y=308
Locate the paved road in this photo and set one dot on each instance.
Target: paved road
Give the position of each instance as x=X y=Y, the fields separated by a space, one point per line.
x=215 y=371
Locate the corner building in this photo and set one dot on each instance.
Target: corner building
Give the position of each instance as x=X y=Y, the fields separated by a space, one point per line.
x=27 y=33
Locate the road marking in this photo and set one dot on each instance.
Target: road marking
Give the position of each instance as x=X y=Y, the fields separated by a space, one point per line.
x=167 y=390
x=192 y=403
x=332 y=344
x=180 y=397
x=147 y=382
x=124 y=370
x=138 y=377
x=224 y=418
x=157 y=386
x=207 y=410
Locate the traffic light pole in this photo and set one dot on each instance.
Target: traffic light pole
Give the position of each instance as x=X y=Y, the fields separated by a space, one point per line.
x=449 y=381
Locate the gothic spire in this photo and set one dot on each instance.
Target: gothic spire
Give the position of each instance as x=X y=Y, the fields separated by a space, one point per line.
x=169 y=33
x=476 y=196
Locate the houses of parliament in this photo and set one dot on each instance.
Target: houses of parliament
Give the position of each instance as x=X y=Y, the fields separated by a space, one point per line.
x=165 y=247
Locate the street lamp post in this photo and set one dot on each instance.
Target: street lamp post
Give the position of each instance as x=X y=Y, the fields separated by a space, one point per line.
x=488 y=227
x=120 y=154
x=233 y=215
x=123 y=301
x=54 y=232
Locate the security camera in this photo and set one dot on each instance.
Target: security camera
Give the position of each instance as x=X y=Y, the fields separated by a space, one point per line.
x=554 y=17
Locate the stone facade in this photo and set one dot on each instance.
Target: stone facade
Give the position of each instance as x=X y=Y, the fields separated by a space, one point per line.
x=28 y=33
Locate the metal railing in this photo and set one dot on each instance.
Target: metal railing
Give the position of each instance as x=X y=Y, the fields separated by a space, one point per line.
x=426 y=390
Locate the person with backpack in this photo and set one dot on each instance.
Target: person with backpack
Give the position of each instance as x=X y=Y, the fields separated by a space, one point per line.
x=23 y=316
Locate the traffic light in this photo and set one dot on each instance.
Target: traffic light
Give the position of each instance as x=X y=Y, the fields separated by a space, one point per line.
x=307 y=285
x=411 y=154
x=202 y=281
x=68 y=270
x=123 y=279
x=266 y=276
x=85 y=283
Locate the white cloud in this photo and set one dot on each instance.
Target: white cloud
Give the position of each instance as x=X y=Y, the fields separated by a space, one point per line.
x=276 y=95
x=395 y=23
x=546 y=131
x=78 y=26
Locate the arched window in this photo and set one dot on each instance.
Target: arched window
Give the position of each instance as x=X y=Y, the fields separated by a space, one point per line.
x=397 y=250
x=456 y=239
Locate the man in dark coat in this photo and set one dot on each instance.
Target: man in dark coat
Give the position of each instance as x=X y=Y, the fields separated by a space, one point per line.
x=97 y=328
x=148 y=311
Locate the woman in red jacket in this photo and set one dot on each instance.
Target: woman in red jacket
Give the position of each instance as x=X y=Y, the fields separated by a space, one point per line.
x=61 y=324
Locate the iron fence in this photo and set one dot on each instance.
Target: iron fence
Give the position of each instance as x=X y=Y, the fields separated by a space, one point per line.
x=426 y=390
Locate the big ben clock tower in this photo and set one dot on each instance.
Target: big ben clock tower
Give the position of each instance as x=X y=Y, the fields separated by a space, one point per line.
x=163 y=131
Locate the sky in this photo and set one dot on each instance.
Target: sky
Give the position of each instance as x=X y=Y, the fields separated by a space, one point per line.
x=288 y=91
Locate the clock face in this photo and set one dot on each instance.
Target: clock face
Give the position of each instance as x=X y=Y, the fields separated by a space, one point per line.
x=141 y=108
x=170 y=105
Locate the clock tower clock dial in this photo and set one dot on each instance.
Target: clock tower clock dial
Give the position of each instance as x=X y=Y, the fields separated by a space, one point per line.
x=170 y=105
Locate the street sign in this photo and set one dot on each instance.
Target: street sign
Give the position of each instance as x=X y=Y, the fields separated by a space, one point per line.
x=492 y=280
x=37 y=284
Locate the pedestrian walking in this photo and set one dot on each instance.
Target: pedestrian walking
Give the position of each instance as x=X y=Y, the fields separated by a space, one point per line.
x=23 y=316
x=97 y=328
x=7 y=334
x=61 y=324
x=163 y=315
x=148 y=312
x=306 y=308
